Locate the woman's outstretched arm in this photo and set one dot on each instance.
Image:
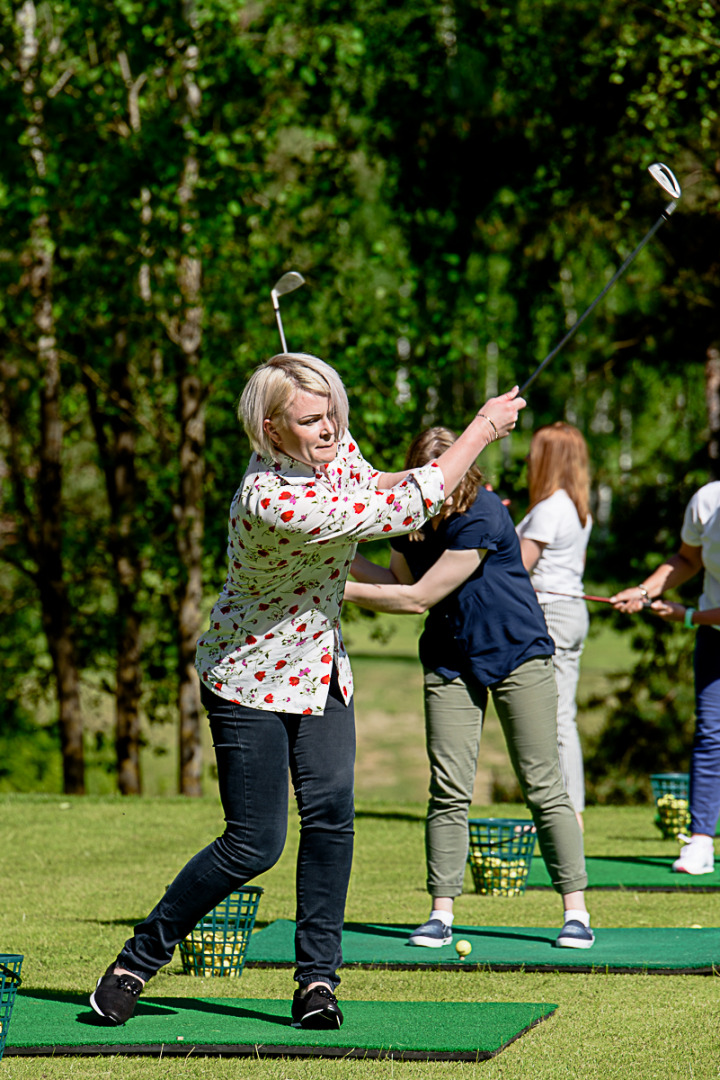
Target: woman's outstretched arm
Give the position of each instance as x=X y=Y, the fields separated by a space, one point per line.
x=446 y=575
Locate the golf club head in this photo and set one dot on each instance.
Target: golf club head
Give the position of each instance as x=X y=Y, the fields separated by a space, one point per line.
x=288 y=283
x=666 y=179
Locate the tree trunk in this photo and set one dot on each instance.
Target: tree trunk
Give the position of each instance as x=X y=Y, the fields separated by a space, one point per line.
x=118 y=456
x=189 y=542
x=54 y=600
x=712 y=397
x=50 y=576
x=190 y=506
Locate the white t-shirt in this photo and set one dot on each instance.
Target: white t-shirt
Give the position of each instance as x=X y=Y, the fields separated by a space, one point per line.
x=701 y=528
x=555 y=523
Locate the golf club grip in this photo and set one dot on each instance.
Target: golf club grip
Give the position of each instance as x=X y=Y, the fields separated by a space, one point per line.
x=633 y=254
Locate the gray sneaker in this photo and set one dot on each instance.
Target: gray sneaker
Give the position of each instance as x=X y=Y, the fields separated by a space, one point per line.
x=432 y=934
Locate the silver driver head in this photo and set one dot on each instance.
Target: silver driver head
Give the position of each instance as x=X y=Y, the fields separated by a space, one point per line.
x=666 y=179
x=288 y=283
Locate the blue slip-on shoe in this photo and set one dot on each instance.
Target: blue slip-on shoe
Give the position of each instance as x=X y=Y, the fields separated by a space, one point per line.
x=575 y=936
x=431 y=934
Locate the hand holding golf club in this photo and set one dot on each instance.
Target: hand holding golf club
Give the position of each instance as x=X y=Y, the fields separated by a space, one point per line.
x=631 y=601
x=669 y=610
x=501 y=413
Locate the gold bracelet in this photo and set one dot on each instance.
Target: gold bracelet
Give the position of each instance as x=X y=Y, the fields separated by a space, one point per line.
x=497 y=433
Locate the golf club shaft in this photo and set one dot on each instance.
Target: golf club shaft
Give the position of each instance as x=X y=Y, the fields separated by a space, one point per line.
x=579 y=596
x=280 y=328
x=648 y=236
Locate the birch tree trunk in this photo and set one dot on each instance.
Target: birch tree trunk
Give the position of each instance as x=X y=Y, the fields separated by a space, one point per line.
x=189 y=510
x=38 y=279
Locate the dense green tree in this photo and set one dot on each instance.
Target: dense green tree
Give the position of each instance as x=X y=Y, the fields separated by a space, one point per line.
x=455 y=182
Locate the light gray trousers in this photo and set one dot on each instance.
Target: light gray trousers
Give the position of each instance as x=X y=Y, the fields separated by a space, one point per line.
x=568 y=624
x=526 y=704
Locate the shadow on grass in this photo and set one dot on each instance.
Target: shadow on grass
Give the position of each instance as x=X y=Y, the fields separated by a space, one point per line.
x=170 y=1006
x=400 y=931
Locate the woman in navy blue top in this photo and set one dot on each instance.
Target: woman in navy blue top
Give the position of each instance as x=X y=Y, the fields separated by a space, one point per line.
x=484 y=633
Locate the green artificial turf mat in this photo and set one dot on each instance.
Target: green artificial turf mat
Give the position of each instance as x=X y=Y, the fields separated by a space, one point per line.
x=637 y=872
x=658 y=950
x=50 y=1023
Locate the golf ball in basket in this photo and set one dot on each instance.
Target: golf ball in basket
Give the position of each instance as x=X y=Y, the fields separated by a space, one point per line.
x=463 y=948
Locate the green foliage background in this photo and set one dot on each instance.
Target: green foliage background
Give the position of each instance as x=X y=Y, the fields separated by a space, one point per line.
x=455 y=181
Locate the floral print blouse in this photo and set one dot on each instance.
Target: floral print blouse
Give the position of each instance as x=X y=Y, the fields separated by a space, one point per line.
x=275 y=630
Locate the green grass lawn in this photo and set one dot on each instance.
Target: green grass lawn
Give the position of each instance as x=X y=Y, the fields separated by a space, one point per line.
x=78 y=873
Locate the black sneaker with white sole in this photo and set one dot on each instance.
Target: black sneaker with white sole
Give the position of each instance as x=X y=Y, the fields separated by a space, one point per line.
x=115 y=996
x=316 y=1009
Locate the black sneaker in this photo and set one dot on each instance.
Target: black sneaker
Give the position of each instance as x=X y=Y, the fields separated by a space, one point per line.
x=317 y=1009
x=115 y=996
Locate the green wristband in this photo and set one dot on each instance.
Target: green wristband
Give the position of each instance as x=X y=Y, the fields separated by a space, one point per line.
x=687 y=621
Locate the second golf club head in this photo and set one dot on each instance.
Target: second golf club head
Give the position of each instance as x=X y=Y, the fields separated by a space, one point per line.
x=287 y=283
x=666 y=179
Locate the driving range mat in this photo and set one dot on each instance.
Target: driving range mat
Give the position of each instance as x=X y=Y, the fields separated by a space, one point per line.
x=641 y=873
x=51 y=1023
x=662 y=951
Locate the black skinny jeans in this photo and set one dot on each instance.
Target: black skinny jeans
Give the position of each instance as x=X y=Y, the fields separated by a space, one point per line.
x=254 y=749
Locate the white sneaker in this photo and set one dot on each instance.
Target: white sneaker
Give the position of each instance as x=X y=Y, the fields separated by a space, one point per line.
x=697 y=857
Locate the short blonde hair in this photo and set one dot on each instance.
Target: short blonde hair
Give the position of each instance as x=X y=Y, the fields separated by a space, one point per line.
x=558 y=459
x=271 y=388
x=428 y=446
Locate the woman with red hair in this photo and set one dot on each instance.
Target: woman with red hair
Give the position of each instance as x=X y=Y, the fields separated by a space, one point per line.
x=554 y=536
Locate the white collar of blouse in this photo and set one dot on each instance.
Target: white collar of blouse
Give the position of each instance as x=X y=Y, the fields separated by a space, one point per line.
x=289 y=468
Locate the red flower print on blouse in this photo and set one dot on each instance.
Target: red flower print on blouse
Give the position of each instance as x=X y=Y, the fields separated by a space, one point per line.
x=254 y=638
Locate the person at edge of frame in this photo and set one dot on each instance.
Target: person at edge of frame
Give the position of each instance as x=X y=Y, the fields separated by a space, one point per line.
x=699 y=552
x=484 y=634
x=275 y=677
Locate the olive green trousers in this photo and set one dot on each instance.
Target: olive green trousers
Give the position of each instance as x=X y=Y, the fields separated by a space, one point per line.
x=526 y=704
